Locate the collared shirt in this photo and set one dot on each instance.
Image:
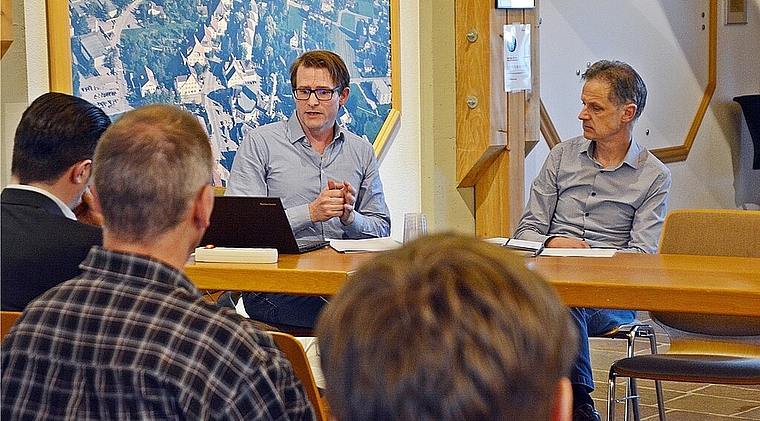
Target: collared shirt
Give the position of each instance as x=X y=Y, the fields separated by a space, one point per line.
x=574 y=196
x=67 y=212
x=277 y=160
x=132 y=338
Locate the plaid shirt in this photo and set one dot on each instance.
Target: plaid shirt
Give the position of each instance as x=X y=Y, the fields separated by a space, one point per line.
x=134 y=339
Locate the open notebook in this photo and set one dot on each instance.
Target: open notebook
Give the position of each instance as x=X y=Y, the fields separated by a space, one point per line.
x=254 y=222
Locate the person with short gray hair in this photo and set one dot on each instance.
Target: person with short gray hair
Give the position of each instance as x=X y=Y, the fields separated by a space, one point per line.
x=601 y=189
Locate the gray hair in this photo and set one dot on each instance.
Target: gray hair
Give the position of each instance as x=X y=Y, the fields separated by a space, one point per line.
x=148 y=167
x=627 y=85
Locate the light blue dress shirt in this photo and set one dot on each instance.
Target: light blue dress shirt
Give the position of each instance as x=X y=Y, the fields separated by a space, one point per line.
x=277 y=160
x=574 y=196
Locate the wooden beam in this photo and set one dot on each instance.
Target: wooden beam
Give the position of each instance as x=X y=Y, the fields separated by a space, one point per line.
x=476 y=150
x=494 y=126
x=6 y=26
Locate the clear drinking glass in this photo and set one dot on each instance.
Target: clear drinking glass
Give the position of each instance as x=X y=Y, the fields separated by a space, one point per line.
x=415 y=226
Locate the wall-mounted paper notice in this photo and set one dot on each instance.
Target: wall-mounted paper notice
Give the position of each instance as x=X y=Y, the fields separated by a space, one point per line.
x=516 y=57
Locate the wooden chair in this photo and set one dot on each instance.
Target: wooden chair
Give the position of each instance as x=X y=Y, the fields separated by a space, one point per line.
x=7 y=319
x=703 y=348
x=293 y=349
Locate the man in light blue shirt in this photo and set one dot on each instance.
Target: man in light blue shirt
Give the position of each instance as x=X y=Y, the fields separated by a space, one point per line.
x=601 y=189
x=326 y=177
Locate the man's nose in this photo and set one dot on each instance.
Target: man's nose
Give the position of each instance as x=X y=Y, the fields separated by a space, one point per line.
x=583 y=115
x=312 y=100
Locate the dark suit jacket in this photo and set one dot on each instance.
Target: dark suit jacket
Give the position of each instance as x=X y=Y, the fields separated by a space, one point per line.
x=40 y=246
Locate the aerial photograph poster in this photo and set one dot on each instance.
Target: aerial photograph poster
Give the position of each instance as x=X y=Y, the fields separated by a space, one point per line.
x=227 y=61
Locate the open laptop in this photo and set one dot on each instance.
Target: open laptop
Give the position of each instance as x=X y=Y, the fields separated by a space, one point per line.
x=257 y=222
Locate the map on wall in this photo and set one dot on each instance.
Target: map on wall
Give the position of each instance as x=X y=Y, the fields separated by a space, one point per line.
x=226 y=61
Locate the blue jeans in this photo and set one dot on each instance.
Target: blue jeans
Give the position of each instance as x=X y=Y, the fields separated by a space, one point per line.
x=294 y=310
x=593 y=322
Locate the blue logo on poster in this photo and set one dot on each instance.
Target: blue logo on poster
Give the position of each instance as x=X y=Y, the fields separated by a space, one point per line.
x=512 y=43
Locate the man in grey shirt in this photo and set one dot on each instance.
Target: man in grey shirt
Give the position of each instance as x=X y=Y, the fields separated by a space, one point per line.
x=601 y=189
x=326 y=177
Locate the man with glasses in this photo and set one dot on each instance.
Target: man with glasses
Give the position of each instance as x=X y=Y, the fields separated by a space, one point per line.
x=326 y=177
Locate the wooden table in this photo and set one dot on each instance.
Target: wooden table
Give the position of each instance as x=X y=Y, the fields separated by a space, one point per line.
x=701 y=284
x=319 y=272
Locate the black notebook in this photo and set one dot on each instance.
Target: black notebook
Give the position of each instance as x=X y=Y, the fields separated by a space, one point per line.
x=256 y=222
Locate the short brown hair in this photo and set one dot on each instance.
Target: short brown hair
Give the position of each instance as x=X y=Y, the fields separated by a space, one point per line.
x=448 y=327
x=322 y=59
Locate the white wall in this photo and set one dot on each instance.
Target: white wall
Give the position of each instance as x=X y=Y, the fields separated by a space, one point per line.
x=664 y=41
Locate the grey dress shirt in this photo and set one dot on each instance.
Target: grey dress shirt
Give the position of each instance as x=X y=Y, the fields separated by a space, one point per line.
x=574 y=196
x=277 y=160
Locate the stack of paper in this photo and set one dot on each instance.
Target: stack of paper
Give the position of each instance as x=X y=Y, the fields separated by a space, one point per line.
x=364 y=245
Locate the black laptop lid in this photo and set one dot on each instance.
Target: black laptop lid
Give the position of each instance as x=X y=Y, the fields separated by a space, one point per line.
x=245 y=221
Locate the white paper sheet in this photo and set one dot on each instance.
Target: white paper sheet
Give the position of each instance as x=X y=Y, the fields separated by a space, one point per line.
x=578 y=252
x=364 y=245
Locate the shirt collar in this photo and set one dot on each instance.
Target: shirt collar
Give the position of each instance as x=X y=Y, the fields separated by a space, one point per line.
x=135 y=267
x=631 y=157
x=297 y=134
x=67 y=212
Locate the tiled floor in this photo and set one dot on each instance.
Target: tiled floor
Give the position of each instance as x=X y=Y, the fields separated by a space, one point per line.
x=683 y=401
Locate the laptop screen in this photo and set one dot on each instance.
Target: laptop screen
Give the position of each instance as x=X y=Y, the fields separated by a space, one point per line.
x=248 y=221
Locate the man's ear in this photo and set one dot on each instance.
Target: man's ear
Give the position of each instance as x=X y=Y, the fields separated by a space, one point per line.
x=80 y=172
x=343 y=98
x=563 y=401
x=204 y=204
x=629 y=112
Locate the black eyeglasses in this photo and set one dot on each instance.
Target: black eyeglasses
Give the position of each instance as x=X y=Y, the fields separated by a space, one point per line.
x=302 y=94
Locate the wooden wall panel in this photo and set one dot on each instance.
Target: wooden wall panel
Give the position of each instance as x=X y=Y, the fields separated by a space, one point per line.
x=492 y=136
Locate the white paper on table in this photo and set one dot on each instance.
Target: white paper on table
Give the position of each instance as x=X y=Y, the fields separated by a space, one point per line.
x=578 y=252
x=364 y=245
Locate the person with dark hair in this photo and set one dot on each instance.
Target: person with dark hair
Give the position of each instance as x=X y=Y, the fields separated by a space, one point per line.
x=132 y=337
x=601 y=189
x=42 y=241
x=327 y=177
x=447 y=327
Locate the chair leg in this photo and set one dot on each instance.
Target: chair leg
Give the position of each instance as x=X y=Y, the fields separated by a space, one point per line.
x=633 y=396
x=632 y=400
x=611 y=395
x=657 y=383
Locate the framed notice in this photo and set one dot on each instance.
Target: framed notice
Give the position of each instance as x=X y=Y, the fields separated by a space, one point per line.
x=736 y=11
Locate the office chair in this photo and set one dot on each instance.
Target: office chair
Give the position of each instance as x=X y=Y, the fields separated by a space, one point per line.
x=292 y=348
x=7 y=319
x=703 y=348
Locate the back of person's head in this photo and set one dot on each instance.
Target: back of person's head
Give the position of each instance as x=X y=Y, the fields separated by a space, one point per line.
x=627 y=85
x=55 y=132
x=447 y=327
x=148 y=168
x=322 y=59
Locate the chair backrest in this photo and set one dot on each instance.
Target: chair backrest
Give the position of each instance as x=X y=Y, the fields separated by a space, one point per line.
x=711 y=232
x=293 y=349
x=7 y=319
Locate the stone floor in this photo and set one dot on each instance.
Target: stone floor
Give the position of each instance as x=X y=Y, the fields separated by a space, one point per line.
x=683 y=401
